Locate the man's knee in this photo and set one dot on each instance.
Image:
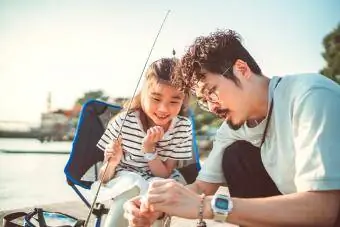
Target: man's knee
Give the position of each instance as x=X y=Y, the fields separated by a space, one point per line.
x=235 y=153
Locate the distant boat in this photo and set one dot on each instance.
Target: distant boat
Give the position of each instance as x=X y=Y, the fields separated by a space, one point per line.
x=15 y=151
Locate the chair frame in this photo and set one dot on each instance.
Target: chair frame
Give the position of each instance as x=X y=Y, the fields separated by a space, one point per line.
x=99 y=209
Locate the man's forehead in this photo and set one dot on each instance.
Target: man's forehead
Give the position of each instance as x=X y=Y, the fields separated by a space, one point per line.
x=209 y=79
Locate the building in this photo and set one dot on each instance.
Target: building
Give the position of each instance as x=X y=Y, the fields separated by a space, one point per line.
x=59 y=125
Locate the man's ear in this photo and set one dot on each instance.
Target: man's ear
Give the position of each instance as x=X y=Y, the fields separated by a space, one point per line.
x=242 y=68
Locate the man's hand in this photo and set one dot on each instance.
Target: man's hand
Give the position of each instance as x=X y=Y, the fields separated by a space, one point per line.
x=136 y=217
x=173 y=198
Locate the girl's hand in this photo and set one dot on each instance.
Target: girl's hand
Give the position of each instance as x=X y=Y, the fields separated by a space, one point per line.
x=113 y=152
x=153 y=135
x=136 y=217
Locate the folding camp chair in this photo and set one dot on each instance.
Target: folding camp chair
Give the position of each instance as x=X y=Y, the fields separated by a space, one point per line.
x=86 y=158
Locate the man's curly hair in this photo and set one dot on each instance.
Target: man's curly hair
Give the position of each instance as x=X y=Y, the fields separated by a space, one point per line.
x=213 y=53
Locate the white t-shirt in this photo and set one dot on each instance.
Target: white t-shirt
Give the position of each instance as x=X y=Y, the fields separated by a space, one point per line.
x=302 y=147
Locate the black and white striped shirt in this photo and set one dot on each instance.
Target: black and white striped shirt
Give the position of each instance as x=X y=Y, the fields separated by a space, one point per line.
x=175 y=144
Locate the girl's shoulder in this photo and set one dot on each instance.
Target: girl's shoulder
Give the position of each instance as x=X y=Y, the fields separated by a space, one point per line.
x=183 y=121
x=181 y=124
x=183 y=118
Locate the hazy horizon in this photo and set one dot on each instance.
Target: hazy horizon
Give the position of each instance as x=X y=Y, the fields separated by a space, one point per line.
x=69 y=48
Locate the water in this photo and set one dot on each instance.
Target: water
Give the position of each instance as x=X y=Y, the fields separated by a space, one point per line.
x=32 y=173
x=33 y=179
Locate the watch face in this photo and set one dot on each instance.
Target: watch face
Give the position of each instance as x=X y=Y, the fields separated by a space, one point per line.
x=222 y=204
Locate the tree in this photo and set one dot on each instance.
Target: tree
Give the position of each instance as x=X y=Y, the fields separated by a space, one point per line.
x=332 y=55
x=98 y=94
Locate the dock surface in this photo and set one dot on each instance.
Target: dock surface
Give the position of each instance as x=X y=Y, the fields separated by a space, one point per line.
x=80 y=211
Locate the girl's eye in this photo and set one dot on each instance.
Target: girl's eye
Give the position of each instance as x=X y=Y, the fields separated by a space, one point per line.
x=174 y=102
x=156 y=99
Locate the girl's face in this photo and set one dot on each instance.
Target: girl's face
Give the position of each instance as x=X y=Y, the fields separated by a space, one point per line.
x=161 y=103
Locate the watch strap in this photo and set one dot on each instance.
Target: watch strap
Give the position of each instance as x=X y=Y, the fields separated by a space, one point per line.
x=220 y=217
x=222 y=190
x=150 y=156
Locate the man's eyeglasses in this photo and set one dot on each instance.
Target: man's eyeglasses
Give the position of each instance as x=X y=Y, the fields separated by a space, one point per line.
x=209 y=95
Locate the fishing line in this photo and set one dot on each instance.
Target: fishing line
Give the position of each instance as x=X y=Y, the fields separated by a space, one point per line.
x=128 y=109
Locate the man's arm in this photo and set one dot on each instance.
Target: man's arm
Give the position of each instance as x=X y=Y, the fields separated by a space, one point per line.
x=211 y=175
x=204 y=187
x=319 y=208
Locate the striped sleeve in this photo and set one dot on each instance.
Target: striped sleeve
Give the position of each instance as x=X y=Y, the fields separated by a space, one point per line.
x=111 y=132
x=181 y=148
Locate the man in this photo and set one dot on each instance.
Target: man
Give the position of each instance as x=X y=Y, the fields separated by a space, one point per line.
x=278 y=149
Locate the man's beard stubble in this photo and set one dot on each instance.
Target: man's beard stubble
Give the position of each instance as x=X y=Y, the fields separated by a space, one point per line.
x=222 y=113
x=234 y=126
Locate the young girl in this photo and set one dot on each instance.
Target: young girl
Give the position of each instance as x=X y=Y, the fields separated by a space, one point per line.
x=153 y=138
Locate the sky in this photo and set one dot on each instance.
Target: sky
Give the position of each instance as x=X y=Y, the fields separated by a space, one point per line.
x=71 y=47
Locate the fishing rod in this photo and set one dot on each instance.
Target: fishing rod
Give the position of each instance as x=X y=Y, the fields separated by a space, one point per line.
x=129 y=106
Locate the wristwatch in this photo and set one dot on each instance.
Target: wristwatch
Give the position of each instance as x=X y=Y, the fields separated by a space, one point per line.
x=221 y=204
x=149 y=156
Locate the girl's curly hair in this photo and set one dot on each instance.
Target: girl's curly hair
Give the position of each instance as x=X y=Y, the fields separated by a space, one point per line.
x=214 y=53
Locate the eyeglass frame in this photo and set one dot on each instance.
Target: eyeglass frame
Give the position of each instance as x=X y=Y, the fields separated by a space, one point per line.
x=204 y=104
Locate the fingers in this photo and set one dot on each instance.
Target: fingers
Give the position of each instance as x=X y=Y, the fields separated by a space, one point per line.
x=172 y=198
x=109 y=152
x=132 y=213
x=144 y=205
x=119 y=140
x=159 y=133
x=162 y=192
x=157 y=183
x=136 y=221
x=155 y=134
x=117 y=145
x=151 y=133
x=113 y=148
x=131 y=207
